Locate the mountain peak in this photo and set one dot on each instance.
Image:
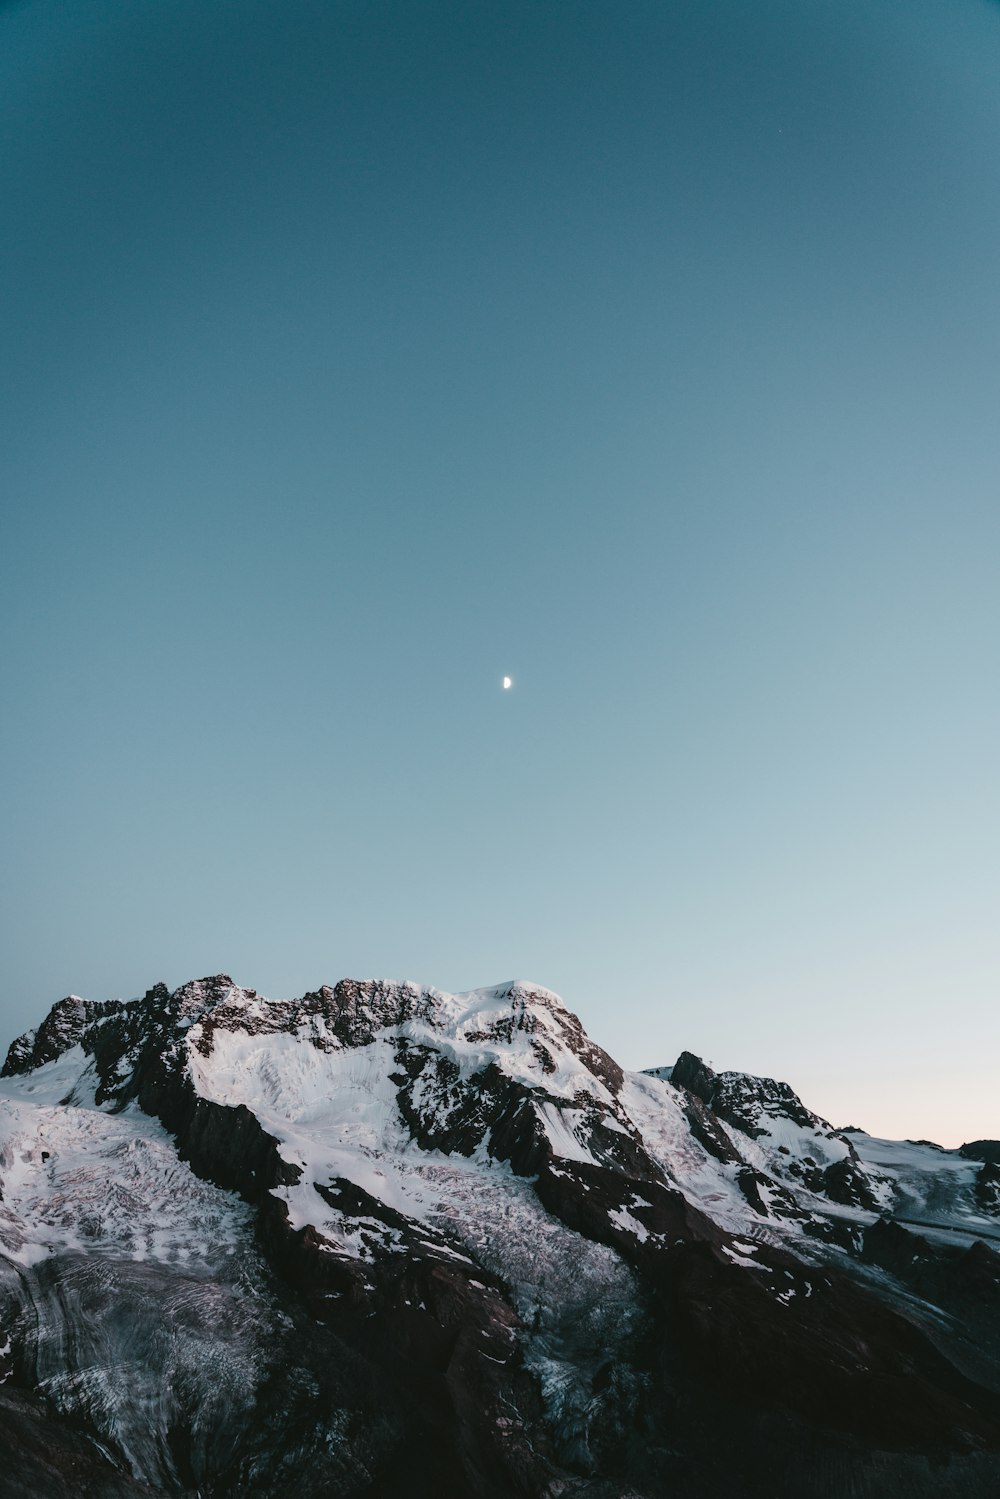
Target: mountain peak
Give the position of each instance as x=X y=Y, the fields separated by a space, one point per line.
x=461 y=1195
x=63 y=1027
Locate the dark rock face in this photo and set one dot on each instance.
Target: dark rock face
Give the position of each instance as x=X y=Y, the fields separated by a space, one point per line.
x=894 y=1248
x=708 y=1132
x=768 y=1198
x=981 y=1150
x=845 y=1182
x=988 y=1187
x=961 y=1282
x=692 y=1073
x=627 y=1333
x=40 y=1455
x=834 y=1354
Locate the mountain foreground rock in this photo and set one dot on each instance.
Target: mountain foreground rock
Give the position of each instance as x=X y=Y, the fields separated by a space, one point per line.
x=387 y=1241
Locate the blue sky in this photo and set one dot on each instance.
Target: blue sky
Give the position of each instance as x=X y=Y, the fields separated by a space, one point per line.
x=354 y=355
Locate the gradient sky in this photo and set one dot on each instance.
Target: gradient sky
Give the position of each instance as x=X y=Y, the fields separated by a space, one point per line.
x=354 y=354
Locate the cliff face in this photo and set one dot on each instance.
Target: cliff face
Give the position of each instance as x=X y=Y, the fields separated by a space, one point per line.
x=387 y=1240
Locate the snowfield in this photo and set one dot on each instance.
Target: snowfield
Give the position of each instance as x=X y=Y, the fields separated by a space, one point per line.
x=78 y=1178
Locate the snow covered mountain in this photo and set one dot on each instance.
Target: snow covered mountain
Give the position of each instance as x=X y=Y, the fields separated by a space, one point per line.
x=383 y=1240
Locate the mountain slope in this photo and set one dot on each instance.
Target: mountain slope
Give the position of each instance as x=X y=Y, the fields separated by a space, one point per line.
x=383 y=1239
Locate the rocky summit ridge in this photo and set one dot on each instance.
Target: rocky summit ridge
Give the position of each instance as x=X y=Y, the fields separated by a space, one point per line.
x=386 y=1240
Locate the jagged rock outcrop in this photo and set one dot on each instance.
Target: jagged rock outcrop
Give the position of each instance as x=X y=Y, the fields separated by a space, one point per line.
x=763 y=1127
x=847 y=1182
x=64 y=1026
x=696 y=1076
x=751 y=1104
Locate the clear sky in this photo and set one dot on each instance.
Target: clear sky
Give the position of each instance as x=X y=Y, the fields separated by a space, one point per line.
x=356 y=354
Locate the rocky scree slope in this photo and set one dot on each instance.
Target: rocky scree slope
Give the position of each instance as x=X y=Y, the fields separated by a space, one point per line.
x=387 y=1240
